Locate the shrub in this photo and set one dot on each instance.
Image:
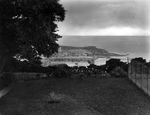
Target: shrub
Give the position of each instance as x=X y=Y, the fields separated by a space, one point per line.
x=29 y=76
x=118 y=72
x=61 y=73
x=1 y=84
x=7 y=78
x=104 y=75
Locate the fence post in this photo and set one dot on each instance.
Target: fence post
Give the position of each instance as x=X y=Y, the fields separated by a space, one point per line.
x=148 y=82
x=129 y=68
x=147 y=78
x=141 y=75
x=131 y=71
x=135 y=73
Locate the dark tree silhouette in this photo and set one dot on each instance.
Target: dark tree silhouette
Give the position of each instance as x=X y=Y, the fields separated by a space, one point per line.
x=139 y=59
x=28 y=29
x=113 y=63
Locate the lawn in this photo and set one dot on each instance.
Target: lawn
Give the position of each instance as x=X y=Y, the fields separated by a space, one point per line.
x=110 y=96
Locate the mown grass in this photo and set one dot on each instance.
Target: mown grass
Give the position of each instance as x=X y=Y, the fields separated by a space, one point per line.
x=111 y=96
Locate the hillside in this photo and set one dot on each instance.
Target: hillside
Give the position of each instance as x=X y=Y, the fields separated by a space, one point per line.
x=71 y=51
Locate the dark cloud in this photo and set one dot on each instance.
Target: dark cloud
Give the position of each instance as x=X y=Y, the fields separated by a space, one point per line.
x=105 y=14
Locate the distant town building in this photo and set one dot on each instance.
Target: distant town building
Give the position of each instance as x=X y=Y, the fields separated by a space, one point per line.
x=78 y=56
x=70 y=61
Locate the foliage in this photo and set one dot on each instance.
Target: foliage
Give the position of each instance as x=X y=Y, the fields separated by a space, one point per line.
x=92 y=66
x=27 y=28
x=1 y=84
x=113 y=63
x=28 y=76
x=15 y=65
x=7 y=78
x=140 y=59
x=61 y=72
x=118 y=72
x=148 y=64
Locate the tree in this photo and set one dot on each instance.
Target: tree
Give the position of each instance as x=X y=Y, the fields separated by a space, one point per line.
x=28 y=29
x=140 y=59
x=113 y=63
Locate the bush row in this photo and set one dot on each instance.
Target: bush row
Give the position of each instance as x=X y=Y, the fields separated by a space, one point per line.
x=8 y=78
x=118 y=72
x=29 y=76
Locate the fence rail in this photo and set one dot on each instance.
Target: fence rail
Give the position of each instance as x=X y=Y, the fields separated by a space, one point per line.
x=140 y=75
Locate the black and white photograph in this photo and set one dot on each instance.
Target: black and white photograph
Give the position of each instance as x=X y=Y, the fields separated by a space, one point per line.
x=74 y=57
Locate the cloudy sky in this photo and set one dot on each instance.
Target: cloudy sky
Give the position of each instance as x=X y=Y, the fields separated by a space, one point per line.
x=105 y=17
x=115 y=25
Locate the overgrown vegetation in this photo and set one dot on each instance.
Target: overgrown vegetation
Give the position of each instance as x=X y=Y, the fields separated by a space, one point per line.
x=118 y=72
x=28 y=31
x=7 y=78
x=114 y=68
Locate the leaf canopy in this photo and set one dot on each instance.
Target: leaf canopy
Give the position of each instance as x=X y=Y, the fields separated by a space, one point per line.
x=28 y=27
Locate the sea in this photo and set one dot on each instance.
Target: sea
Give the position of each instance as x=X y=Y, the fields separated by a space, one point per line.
x=134 y=46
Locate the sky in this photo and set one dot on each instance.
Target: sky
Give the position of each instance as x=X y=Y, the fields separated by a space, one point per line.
x=114 y=25
x=105 y=17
